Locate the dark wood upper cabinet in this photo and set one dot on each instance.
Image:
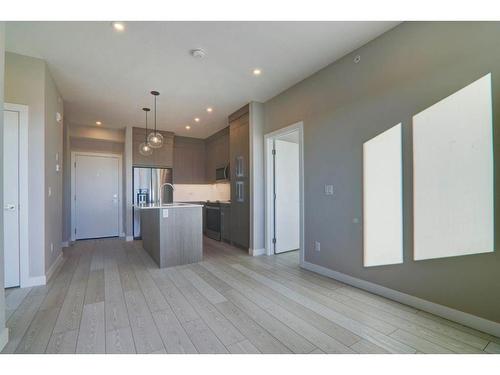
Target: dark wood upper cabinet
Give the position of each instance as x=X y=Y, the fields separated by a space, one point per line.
x=161 y=158
x=217 y=153
x=189 y=161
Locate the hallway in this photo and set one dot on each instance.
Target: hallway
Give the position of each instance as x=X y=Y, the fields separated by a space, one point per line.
x=110 y=297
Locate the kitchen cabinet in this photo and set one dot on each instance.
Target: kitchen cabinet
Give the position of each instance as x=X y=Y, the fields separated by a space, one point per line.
x=217 y=153
x=162 y=157
x=239 y=152
x=225 y=220
x=189 y=161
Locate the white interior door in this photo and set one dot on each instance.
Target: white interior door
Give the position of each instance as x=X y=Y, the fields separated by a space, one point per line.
x=96 y=188
x=11 y=198
x=287 y=196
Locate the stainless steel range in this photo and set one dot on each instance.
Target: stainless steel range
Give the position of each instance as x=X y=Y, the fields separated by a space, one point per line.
x=212 y=220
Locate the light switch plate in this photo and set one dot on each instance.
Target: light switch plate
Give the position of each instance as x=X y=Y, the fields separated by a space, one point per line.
x=165 y=212
x=328 y=189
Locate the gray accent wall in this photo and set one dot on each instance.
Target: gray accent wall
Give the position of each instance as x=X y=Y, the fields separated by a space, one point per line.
x=402 y=72
x=28 y=81
x=53 y=177
x=257 y=185
x=25 y=84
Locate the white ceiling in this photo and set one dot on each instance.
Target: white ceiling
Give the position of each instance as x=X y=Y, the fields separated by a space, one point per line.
x=105 y=75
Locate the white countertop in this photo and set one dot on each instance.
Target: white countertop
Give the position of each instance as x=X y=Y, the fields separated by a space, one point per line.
x=167 y=205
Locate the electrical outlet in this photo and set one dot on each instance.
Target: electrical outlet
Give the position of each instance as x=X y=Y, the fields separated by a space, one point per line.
x=317 y=246
x=50 y=191
x=51 y=247
x=165 y=212
x=328 y=189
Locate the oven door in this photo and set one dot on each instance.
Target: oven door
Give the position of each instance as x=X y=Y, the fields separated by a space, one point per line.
x=213 y=222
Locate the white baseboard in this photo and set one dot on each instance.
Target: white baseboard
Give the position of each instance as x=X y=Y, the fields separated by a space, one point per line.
x=65 y=244
x=129 y=238
x=4 y=337
x=55 y=266
x=256 y=252
x=481 y=324
x=33 y=281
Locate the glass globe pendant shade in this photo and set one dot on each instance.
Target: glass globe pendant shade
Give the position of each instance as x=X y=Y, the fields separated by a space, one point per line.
x=145 y=149
x=155 y=139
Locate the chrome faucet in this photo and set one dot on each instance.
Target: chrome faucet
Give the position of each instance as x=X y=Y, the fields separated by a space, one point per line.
x=161 y=191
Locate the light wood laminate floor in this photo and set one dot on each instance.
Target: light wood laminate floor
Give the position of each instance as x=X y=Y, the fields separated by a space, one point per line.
x=110 y=297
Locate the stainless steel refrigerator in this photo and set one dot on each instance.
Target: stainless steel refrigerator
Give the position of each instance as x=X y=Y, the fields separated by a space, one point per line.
x=147 y=183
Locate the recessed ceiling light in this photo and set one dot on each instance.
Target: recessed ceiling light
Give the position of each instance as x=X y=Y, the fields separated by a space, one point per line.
x=257 y=72
x=188 y=127
x=196 y=119
x=209 y=109
x=98 y=123
x=118 y=26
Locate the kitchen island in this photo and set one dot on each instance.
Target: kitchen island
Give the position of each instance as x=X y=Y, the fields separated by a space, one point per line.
x=172 y=233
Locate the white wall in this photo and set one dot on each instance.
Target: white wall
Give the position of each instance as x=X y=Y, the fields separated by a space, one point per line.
x=201 y=192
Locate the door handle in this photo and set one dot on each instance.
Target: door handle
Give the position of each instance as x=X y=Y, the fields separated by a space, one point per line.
x=9 y=207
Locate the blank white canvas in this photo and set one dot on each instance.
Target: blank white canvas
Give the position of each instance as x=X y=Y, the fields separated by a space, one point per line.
x=453 y=174
x=383 y=199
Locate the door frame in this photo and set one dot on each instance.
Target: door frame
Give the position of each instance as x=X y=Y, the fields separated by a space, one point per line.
x=24 y=264
x=74 y=154
x=268 y=181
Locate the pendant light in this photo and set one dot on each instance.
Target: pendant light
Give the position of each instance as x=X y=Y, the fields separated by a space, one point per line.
x=155 y=139
x=144 y=148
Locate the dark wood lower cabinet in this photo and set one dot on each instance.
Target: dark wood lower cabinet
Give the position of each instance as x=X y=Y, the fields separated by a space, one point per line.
x=225 y=218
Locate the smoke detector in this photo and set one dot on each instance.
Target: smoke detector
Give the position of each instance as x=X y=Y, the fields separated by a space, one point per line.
x=198 y=53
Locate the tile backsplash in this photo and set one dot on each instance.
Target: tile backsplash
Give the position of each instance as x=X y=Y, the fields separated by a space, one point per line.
x=196 y=192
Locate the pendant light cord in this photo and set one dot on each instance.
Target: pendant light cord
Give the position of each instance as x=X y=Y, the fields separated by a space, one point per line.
x=155 y=115
x=146 y=110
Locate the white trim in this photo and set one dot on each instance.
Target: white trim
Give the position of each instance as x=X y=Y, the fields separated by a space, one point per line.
x=257 y=252
x=34 y=281
x=129 y=238
x=461 y=317
x=65 y=244
x=55 y=266
x=268 y=140
x=24 y=262
x=120 y=182
x=4 y=338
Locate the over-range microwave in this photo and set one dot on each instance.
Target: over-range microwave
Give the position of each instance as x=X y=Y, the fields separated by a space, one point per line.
x=222 y=174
